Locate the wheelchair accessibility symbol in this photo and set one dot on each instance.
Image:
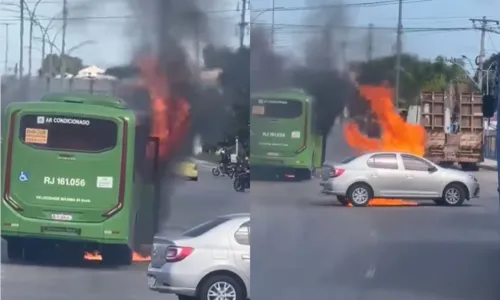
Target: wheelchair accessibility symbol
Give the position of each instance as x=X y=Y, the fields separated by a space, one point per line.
x=23 y=177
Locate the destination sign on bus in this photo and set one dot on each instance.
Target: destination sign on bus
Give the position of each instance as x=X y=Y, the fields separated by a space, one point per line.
x=62 y=120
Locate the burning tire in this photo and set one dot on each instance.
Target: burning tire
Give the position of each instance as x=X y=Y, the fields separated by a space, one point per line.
x=221 y=285
x=343 y=200
x=116 y=255
x=359 y=194
x=454 y=195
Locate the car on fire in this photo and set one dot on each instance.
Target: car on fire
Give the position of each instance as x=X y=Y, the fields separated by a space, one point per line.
x=207 y=262
x=396 y=175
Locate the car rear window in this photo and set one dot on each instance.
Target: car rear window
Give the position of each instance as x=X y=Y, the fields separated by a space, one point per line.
x=68 y=133
x=205 y=227
x=349 y=159
x=277 y=109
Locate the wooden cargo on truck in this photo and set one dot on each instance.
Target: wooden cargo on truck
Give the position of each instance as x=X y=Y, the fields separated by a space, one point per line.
x=463 y=145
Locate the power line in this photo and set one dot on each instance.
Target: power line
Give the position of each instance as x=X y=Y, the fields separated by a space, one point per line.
x=405 y=29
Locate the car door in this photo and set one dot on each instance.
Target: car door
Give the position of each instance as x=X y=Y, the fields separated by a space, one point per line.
x=240 y=243
x=384 y=175
x=420 y=181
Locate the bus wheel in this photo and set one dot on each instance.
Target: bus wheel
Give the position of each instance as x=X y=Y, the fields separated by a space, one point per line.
x=116 y=255
x=14 y=249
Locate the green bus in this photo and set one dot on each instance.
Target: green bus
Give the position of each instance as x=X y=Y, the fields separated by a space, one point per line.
x=283 y=133
x=76 y=173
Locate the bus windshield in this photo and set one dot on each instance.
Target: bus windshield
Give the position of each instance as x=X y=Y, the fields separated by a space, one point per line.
x=68 y=133
x=277 y=109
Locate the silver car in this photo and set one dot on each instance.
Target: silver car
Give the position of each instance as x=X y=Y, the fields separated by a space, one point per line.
x=208 y=262
x=396 y=175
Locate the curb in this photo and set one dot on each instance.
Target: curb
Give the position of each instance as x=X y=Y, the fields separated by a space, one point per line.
x=205 y=163
x=487 y=167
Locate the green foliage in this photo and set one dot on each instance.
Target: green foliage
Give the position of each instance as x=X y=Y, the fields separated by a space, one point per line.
x=53 y=63
x=416 y=74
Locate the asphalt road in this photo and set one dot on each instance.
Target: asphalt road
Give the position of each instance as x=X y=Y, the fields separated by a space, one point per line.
x=303 y=247
x=193 y=203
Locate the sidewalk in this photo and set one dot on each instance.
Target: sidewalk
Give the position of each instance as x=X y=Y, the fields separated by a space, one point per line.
x=489 y=164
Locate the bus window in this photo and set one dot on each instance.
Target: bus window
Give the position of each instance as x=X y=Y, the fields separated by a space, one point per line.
x=68 y=133
x=277 y=109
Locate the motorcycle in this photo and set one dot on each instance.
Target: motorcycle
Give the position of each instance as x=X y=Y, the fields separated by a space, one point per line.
x=242 y=179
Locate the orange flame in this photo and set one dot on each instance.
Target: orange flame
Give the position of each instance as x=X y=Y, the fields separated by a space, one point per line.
x=95 y=256
x=396 y=134
x=170 y=115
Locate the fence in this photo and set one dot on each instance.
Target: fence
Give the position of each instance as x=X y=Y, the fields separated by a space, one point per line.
x=490 y=147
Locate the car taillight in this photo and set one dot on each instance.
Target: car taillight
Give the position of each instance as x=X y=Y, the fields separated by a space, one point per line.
x=176 y=253
x=336 y=172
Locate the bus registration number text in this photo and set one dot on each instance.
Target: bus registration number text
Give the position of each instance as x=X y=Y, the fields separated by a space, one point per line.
x=63 y=181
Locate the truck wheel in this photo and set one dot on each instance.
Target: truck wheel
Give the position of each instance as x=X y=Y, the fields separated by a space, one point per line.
x=359 y=194
x=116 y=255
x=343 y=200
x=14 y=249
x=453 y=195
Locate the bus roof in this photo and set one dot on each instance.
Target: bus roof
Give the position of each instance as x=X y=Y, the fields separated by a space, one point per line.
x=83 y=104
x=289 y=94
x=98 y=100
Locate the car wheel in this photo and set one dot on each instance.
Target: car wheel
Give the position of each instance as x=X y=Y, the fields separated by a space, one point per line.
x=343 y=200
x=453 y=195
x=359 y=194
x=221 y=287
x=194 y=178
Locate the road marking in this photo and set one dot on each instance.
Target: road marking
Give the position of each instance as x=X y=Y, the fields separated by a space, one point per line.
x=370 y=273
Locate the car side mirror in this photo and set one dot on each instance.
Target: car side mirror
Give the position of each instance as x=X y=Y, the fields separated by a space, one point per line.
x=432 y=169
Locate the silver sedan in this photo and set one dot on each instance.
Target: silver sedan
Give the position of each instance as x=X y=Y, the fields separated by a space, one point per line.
x=208 y=262
x=396 y=175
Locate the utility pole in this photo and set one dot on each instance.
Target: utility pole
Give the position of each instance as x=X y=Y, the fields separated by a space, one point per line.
x=272 y=22
x=21 y=39
x=399 y=49
x=243 y=23
x=369 y=50
x=484 y=27
x=344 y=54
x=63 y=46
x=6 y=63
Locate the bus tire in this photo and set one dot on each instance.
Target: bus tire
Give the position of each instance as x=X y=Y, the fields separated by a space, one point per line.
x=116 y=255
x=14 y=249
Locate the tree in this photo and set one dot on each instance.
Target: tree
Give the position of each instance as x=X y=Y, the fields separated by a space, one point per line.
x=416 y=74
x=52 y=64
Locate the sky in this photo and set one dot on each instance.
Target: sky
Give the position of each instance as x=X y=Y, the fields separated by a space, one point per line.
x=105 y=32
x=436 y=14
x=106 y=40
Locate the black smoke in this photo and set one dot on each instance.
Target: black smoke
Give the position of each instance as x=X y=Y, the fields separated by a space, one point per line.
x=322 y=73
x=166 y=30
